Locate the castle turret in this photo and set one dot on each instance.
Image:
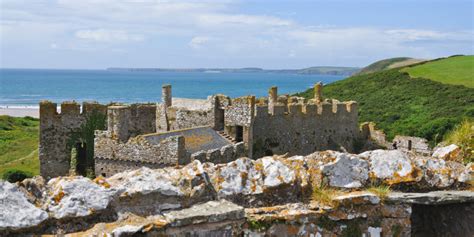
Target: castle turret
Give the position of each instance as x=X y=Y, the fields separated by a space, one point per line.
x=272 y=98
x=166 y=95
x=318 y=88
x=118 y=122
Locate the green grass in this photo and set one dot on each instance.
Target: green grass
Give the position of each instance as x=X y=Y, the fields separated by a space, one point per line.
x=458 y=70
x=381 y=191
x=19 y=144
x=463 y=136
x=381 y=65
x=401 y=105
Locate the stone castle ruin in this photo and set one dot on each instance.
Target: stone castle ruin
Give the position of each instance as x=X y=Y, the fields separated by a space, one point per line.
x=219 y=129
x=235 y=167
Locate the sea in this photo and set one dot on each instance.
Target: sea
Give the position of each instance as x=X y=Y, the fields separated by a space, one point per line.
x=27 y=87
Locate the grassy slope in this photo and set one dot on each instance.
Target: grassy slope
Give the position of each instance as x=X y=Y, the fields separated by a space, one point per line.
x=457 y=70
x=402 y=105
x=19 y=144
x=381 y=65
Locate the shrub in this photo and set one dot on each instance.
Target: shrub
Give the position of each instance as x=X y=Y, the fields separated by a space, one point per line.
x=14 y=175
x=463 y=136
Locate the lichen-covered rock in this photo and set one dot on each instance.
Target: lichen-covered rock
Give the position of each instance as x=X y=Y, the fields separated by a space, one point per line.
x=238 y=177
x=391 y=167
x=76 y=197
x=209 y=212
x=276 y=172
x=468 y=175
x=15 y=210
x=175 y=188
x=451 y=152
x=439 y=173
x=347 y=171
x=33 y=189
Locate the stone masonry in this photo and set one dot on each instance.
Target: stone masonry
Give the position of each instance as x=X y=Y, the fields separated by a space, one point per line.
x=250 y=127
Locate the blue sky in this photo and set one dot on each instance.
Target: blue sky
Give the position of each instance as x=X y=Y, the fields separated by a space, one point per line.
x=95 y=34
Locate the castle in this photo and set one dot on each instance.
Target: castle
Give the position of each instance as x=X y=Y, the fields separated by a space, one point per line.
x=219 y=129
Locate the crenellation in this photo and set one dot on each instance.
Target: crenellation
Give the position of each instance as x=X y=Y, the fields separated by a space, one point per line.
x=326 y=109
x=279 y=109
x=295 y=109
x=90 y=107
x=218 y=130
x=119 y=122
x=310 y=110
x=70 y=108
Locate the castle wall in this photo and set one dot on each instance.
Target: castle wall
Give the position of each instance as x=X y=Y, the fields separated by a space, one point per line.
x=56 y=130
x=192 y=118
x=168 y=152
x=411 y=144
x=302 y=128
x=225 y=154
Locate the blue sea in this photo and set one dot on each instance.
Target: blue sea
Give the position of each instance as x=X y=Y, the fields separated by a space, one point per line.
x=26 y=87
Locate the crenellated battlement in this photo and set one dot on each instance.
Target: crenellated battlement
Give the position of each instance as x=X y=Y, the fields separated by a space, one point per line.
x=276 y=124
x=305 y=109
x=50 y=110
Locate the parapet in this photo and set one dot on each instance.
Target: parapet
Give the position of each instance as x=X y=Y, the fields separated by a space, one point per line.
x=298 y=108
x=125 y=121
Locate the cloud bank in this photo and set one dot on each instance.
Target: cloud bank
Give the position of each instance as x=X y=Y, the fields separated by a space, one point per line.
x=199 y=33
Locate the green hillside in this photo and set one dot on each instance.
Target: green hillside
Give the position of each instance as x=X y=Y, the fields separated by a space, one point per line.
x=403 y=105
x=329 y=70
x=19 y=144
x=388 y=64
x=457 y=70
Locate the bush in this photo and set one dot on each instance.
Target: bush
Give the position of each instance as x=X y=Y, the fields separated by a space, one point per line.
x=463 y=136
x=14 y=175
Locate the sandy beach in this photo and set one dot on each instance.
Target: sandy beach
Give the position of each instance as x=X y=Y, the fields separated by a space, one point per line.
x=33 y=111
x=20 y=111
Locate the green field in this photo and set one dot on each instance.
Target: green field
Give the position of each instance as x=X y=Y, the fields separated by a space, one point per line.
x=387 y=64
x=401 y=105
x=458 y=70
x=19 y=144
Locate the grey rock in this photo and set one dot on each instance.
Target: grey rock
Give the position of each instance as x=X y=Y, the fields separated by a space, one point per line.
x=347 y=171
x=76 y=197
x=15 y=210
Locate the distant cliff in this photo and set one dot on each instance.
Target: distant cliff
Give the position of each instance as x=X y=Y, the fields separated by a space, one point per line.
x=343 y=71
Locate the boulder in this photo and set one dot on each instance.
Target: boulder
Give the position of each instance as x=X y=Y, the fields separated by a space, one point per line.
x=239 y=177
x=15 y=210
x=76 y=197
x=138 y=190
x=347 y=171
x=391 y=166
x=451 y=152
x=275 y=172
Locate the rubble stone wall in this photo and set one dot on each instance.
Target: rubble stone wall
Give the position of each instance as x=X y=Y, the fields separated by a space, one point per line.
x=56 y=128
x=305 y=128
x=113 y=156
x=272 y=196
x=223 y=155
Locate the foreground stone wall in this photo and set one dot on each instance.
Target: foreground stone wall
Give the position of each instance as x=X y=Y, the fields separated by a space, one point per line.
x=324 y=193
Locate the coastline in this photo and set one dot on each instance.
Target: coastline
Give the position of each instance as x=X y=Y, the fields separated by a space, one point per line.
x=20 y=111
x=33 y=110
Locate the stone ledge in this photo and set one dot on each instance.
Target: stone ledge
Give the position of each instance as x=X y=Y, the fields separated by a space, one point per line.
x=432 y=198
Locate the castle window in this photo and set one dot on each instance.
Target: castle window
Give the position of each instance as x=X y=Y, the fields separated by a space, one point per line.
x=409 y=145
x=104 y=175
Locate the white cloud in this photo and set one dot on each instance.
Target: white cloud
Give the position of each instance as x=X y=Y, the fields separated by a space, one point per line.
x=174 y=29
x=210 y=20
x=103 y=35
x=199 y=41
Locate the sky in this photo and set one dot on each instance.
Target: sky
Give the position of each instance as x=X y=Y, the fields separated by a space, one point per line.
x=271 y=34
